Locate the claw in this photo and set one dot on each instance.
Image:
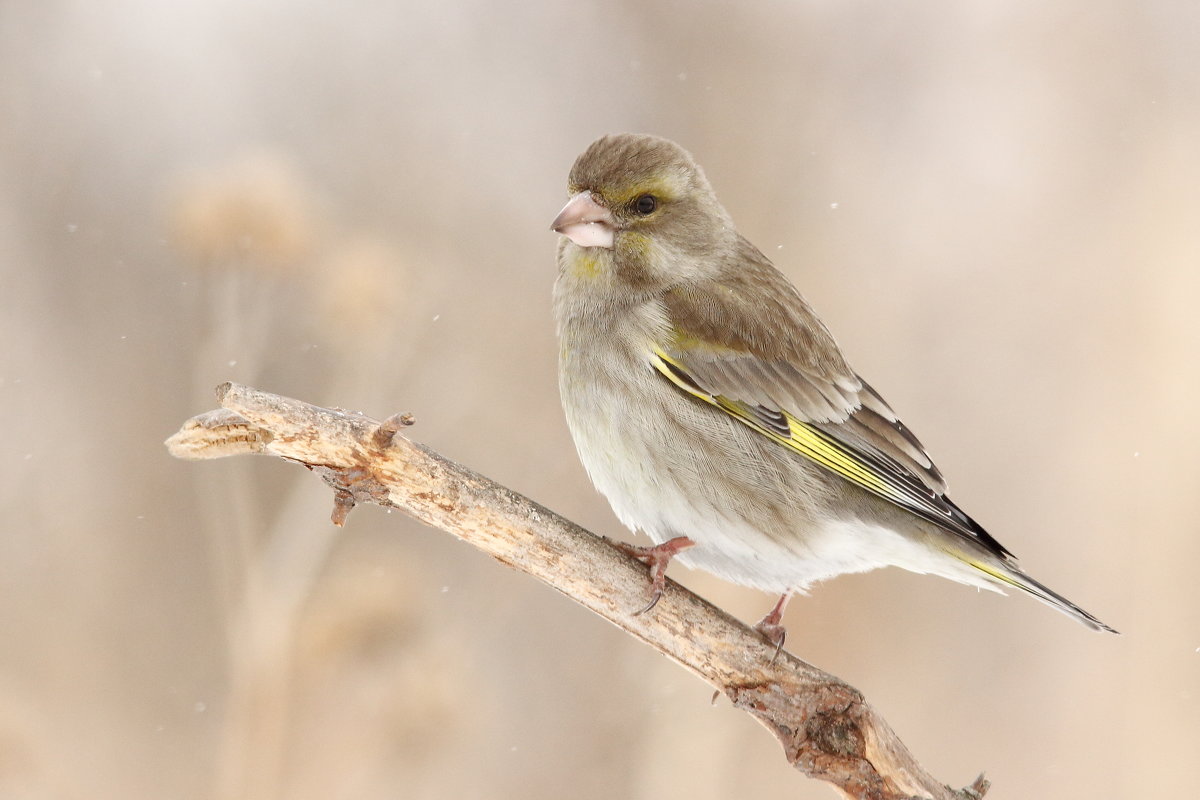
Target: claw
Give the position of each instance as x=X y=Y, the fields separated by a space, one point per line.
x=655 y=596
x=770 y=627
x=656 y=558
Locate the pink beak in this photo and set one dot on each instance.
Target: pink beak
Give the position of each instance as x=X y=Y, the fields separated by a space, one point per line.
x=585 y=222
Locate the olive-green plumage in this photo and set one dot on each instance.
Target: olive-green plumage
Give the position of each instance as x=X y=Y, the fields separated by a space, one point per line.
x=708 y=400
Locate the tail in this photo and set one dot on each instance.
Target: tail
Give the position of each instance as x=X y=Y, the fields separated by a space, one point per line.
x=1011 y=576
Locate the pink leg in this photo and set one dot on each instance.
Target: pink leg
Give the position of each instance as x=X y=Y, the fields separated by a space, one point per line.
x=770 y=627
x=657 y=558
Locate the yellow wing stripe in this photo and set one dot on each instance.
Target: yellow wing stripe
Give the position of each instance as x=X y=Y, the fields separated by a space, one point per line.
x=804 y=439
x=990 y=570
x=872 y=472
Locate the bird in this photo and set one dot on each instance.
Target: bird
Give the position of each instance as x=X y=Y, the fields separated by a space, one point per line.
x=715 y=411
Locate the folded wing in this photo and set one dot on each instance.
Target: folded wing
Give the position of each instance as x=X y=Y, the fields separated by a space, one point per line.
x=791 y=384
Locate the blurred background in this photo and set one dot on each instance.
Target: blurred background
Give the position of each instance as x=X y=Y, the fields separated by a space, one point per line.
x=994 y=205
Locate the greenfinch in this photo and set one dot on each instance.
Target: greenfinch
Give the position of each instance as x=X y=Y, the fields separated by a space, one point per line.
x=714 y=410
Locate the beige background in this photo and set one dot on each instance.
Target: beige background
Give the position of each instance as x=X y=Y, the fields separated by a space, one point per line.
x=993 y=204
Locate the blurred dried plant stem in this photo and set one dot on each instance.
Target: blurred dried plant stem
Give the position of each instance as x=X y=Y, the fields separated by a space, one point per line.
x=826 y=728
x=250 y=228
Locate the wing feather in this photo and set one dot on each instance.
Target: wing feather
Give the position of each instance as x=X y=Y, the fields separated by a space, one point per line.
x=811 y=402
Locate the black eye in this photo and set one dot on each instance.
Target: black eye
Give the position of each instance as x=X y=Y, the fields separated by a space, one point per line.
x=645 y=204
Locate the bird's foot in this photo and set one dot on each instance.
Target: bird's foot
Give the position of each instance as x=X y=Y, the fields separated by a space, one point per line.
x=656 y=558
x=770 y=626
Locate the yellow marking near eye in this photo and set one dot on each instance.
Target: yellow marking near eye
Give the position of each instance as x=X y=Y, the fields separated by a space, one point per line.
x=635 y=243
x=661 y=189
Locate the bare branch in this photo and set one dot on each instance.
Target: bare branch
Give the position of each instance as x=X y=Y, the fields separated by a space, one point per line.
x=826 y=728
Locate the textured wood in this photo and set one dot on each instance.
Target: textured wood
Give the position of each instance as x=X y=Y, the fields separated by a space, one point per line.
x=826 y=728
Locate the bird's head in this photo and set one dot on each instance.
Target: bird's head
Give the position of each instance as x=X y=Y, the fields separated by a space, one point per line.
x=645 y=199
